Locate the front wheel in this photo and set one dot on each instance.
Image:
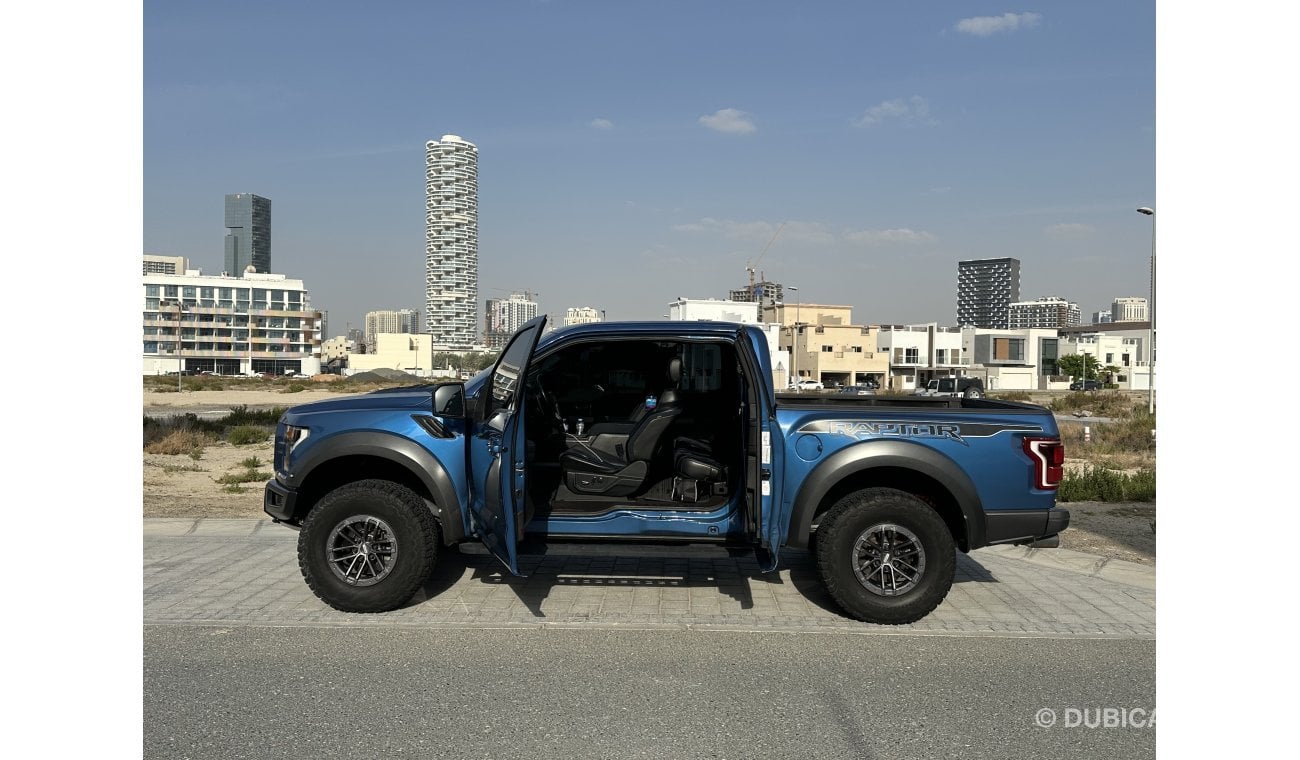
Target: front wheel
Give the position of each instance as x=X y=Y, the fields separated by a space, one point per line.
x=368 y=546
x=885 y=556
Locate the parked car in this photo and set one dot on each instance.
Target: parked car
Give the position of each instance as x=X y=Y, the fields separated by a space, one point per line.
x=809 y=385
x=382 y=484
x=966 y=387
x=858 y=390
x=1086 y=385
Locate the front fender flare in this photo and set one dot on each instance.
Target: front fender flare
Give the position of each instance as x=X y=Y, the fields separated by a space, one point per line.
x=401 y=451
x=875 y=454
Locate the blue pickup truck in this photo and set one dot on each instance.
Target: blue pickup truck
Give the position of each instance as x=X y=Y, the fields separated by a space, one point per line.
x=662 y=431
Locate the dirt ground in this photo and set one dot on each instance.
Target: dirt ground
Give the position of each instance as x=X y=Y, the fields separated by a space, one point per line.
x=179 y=486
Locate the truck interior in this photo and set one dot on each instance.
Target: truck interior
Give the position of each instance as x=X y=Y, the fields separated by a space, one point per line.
x=647 y=424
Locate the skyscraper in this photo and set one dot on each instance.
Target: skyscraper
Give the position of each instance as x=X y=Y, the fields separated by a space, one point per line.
x=505 y=316
x=985 y=290
x=248 y=233
x=389 y=321
x=451 y=241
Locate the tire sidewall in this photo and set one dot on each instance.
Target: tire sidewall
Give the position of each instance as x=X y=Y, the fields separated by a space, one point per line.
x=858 y=512
x=394 y=505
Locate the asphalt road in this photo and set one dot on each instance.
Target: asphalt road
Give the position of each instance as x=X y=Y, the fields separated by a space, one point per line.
x=319 y=692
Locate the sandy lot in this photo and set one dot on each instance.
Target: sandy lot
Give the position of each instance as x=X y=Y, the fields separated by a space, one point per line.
x=224 y=399
x=179 y=486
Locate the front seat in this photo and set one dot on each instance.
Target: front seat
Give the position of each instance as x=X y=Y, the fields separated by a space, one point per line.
x=608 y=465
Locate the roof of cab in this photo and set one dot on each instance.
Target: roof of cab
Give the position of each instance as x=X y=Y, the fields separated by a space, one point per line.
x=661 y=328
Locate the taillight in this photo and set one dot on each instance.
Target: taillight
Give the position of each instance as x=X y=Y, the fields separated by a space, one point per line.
x=1048 y=455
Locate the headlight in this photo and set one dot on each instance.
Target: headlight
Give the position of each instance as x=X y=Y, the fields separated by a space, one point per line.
x=294 y=435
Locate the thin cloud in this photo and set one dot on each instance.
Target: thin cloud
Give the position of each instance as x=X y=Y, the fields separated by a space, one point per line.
x=1068 y=230
x=987 y=26
x=602 y=124
x=913 y=110
x=898 y=236
x=729 y=121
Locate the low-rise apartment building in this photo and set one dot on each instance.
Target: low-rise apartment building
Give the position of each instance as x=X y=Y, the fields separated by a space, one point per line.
x=230 y=325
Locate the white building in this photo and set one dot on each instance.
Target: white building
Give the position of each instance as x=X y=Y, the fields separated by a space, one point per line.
x=389 y=321
x=1014 y=359
x=451 y=241
x=336 y=349
x=410 y=353
x=253 y=323
x=1101 y=317
x=1043 y=312
x=695 y=309
x=582 y=315
x=920 y=353
x=504 y=316
x=1130 y=309
x=713 y=309
x=165 y=264
x=1123 y=346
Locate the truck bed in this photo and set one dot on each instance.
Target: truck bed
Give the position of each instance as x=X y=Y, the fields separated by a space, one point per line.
x=923 y=403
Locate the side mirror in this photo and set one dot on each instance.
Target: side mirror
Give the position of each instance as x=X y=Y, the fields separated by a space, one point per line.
x=449 y=400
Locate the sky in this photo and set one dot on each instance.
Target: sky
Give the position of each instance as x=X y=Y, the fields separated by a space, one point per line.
x=634 y=153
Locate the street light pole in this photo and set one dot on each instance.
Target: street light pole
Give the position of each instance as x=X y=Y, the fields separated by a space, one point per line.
x=794 y=338
x=1151 y=323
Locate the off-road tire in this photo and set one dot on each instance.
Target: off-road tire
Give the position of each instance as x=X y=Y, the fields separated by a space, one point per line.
x=854 y=516
x=973 y=393
x=414 y=530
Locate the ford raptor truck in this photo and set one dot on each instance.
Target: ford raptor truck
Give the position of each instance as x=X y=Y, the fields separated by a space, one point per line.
x=667 y=432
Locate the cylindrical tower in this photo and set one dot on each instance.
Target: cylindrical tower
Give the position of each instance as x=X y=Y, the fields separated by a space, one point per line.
x=451 y=241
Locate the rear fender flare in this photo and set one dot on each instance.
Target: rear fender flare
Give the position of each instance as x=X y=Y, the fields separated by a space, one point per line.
x=868 y=455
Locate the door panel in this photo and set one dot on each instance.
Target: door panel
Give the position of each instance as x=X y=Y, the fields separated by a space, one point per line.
x=497 y=450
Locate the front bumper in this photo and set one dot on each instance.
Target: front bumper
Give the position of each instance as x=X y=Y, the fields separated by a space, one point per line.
x=279 y=501
x=1024 y=526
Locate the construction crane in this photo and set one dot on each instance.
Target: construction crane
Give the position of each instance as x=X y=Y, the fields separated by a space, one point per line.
x=753 y=264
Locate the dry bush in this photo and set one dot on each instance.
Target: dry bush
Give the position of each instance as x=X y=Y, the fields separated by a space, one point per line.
x=1099 y=403
x=184 y=441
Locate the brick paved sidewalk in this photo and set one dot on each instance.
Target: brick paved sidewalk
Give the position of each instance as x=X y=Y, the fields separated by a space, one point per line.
x=245 y=572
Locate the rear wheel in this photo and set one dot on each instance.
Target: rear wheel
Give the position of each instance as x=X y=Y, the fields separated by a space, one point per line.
x=368 y=546
x=885 y=556
x=973 y=393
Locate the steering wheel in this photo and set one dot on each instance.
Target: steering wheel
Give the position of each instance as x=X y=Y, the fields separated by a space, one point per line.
x=547 y=406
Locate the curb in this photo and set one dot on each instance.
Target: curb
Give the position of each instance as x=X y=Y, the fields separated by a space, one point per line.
x=1115 y=570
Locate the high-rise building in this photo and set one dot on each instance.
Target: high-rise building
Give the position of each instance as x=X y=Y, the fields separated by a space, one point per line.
x=248 y=233
x=165 y=264
x=1128 y=310
x=504 y=316
x=1044 y=312
x=986 y=288
x=582 y=315
x=389 y=321
x=1100 y=317
x=451 y=241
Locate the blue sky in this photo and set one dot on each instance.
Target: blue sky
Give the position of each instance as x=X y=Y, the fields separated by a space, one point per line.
x=634 y=153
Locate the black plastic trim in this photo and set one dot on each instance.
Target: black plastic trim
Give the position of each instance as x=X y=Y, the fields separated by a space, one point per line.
x=868 y=455
x=403 y=451
x=278 y=501
x=1022 y=526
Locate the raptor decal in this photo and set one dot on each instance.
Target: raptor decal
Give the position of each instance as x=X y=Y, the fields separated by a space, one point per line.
x=956 y=431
